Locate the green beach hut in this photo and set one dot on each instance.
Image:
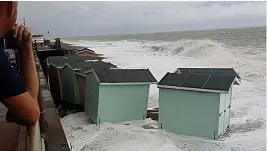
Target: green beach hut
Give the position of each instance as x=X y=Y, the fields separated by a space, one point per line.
x=81 y=77
x=117 y=95
x=70 y=87
x=196 y=101
x=54 y=66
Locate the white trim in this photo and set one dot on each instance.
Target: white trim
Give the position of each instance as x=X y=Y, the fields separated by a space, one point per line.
x=93 y=71
x=177 y=70
x=88 y=71
x=90 y=60
x=48 y=81
x=232 y=84
x=47 y=62
x=128 y=68
x=129 y=83
x=192 y=89
x=237 y=80
x=58 y=67
x=80 y=74
x=78 y=52
x=66 y=64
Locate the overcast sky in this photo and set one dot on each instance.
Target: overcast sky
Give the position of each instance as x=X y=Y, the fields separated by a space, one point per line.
x=97 y=18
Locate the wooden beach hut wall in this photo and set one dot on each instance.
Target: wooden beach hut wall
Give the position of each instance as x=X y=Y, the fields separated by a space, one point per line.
x=81 y=81
x=117 y=95
x=55 y=82
x=196 y=101
x=70 y=87
x=55 y=64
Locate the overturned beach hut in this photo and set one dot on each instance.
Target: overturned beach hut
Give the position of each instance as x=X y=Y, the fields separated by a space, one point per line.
x=196 y=103
x=70 y=87
x=117 y=95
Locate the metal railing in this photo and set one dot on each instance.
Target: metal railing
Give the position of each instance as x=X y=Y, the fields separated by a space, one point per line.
x=37 y=135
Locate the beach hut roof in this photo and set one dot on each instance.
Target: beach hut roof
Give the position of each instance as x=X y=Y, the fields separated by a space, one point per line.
x=81 y=67
x=59 y=61
x=197 y=82
x=113 y=76
x=85 y=49
x=210 y=71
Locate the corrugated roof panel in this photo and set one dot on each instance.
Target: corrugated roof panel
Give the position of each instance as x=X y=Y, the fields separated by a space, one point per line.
x=118 y=76
x=140 y=75
x=200 y=71
x=172 y=79
x=93 y=65
x=198 y=81
x=208 y=71
x=195 y=81
x=183 y=71
x=219 y=83
x=103 y=75
x=125 y=75
x=225 y=72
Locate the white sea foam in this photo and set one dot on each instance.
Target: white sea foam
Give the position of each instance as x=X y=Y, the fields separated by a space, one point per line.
x=248 y=110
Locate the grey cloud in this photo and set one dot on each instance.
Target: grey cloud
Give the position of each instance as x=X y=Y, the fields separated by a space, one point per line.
x=93 y=18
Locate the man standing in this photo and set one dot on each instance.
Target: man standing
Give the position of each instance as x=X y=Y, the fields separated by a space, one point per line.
x=18 y=92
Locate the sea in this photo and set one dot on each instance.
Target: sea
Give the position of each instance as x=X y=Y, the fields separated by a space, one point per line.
x=243 y=49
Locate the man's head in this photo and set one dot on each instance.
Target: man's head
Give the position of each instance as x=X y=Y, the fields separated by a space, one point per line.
x=8 y=16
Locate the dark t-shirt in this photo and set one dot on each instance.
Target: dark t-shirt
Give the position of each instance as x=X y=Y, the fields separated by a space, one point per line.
x=10 y=83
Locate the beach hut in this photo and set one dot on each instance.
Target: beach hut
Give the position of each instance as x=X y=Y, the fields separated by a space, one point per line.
x=70 y=87
x=55 y=64
x=117 y=95
x=196 y=103
x=81 y=77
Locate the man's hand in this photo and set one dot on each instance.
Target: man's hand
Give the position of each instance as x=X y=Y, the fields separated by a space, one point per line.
x=23 y=34
x=24 y=108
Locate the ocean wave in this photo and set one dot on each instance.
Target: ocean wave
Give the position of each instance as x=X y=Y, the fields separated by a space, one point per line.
x=89 y=44
x=210 y=53
x=190 y=48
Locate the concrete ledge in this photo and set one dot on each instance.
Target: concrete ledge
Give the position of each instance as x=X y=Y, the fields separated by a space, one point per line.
x=56 y=138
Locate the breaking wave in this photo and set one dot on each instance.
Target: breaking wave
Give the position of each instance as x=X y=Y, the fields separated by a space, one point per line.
x=190 y=48
x=212 y=53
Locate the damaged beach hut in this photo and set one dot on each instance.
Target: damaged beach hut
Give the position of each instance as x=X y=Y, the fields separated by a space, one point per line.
x=70 y=87
x=117 y=95
x=196 y=101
